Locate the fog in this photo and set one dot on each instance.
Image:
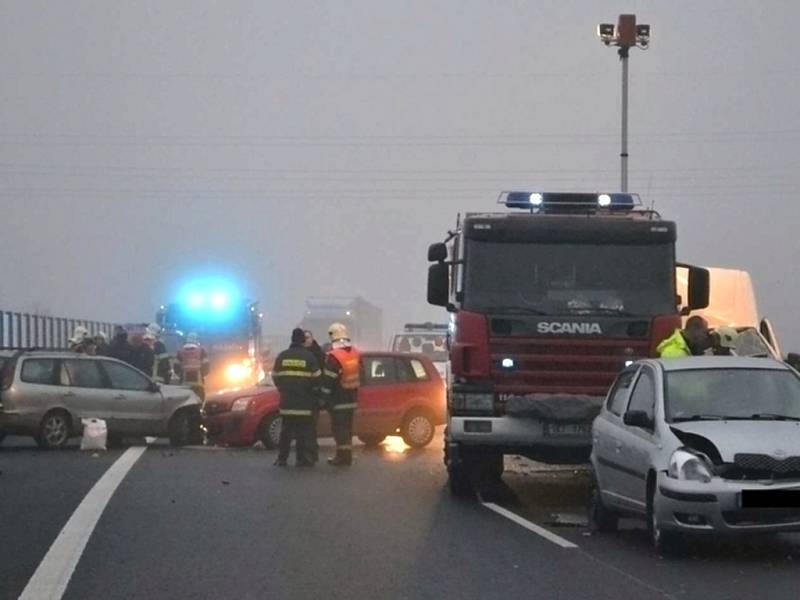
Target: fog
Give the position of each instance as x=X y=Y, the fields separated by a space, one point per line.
x=317 y=148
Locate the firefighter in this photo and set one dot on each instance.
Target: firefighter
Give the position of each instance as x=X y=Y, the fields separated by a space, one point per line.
x=296 y=375
x=142 y=356
x=162 y=372
x=192 y=364
x=312 y=345
x=101 y=343
x=693 y=340
x=340 y=383
x=120 y=348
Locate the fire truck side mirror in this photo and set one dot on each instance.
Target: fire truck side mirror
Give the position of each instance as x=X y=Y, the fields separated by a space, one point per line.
x=438 y=284
x=699 y=288
x=437 y=252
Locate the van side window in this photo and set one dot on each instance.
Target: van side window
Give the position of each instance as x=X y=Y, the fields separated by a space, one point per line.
x=84 y=373
x=41 y=371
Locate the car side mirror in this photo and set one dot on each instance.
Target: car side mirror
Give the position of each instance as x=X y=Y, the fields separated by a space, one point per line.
x=638 y=418
x=154 y=387
x=793 y=360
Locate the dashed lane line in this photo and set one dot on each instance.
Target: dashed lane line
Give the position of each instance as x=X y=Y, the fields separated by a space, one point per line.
x=54 y=572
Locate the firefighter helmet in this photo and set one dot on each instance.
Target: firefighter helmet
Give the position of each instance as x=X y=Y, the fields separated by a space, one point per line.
x=337 y=332
x=80 y=334
x=192 y=338
x=727 y=337
x=154 y=329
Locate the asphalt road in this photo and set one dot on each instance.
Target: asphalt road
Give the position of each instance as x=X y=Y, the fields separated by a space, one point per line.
x=216 y=523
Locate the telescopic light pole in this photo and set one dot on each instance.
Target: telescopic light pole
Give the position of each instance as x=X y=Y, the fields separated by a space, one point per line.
x=625 y=35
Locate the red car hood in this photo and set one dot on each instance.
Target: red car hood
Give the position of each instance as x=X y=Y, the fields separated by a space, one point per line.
x=222 y=402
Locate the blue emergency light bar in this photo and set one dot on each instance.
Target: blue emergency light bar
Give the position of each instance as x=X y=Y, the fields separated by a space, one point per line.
x=568 y=202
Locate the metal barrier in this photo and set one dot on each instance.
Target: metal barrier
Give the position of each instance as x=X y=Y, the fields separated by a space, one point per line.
x=24 y=330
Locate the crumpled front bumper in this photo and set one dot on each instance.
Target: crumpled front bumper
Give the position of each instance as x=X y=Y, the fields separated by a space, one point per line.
x=228 y=428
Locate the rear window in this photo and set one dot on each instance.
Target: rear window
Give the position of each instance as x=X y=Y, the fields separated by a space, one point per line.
x=40 y=371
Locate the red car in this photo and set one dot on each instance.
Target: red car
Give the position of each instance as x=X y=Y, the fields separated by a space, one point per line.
x=400 y=394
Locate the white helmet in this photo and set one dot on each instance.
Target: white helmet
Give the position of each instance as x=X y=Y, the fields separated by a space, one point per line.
x=337 y=332
x=80 y=334
x=101 y=335
x=192 y=338
x=154 y=329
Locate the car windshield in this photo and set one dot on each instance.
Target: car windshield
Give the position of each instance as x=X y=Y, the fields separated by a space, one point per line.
x=580 y=279
x=432 y=345
x=732 y=394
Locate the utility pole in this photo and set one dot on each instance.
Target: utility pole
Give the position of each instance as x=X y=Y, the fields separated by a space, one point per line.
x=626 y=34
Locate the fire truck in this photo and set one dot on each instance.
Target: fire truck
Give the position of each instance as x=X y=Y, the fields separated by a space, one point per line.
x=229 y=327
x=548 y=301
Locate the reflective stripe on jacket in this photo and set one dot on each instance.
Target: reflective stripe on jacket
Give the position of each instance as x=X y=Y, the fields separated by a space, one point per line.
x=296 y=374
x=341 y=378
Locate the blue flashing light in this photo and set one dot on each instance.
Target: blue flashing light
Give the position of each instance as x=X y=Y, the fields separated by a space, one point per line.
x=209 y=300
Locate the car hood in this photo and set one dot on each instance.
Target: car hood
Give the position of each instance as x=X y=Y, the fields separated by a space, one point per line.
x=223 y=401
x=176 y=394
x=775 y=438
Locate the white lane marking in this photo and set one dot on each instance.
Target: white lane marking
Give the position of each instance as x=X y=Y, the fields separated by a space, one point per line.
x=54 y=572
x=548 y=535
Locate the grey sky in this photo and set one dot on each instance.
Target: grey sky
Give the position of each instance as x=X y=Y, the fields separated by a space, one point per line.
x=143 y=141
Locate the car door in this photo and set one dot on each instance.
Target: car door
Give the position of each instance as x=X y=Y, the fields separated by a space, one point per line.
x=138 y=407
x=607 y=437
x=379 y=396
x=638 y=443
x=84 y=392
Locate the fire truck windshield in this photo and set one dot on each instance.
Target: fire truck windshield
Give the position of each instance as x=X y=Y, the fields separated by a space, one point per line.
x=569 y=279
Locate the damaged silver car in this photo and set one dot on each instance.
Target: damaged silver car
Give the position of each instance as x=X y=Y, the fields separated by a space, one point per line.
x=699 y=446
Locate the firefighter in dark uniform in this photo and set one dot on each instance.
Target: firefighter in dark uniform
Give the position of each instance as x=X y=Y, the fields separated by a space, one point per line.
x=296 y=374
x=340 y=383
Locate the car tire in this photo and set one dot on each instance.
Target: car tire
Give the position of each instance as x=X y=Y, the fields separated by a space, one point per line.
x=184 y=428
x=55 y=429
x=601 y=519
x=371 y=440
x=418 y=429
x=665 y=543
x=269 y=432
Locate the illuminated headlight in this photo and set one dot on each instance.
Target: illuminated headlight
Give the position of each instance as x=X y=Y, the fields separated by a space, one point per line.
x=604 y=200
x=536 y=199
x=628 y=363
x=688 y=466
x=461 y=401
x=508 y=363
x=237 y=372
x=241 y=404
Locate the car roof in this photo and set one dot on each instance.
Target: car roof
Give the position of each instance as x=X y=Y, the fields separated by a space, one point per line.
x=414 y=355
x=718 y=362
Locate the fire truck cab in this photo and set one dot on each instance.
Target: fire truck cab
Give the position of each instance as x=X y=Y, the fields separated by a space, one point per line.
x=547 y=303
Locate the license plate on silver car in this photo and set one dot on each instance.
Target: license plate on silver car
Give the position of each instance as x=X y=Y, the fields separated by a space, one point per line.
x=567 y=429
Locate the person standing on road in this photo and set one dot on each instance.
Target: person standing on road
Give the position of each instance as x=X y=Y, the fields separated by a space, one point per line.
x=312 y=345
x=296 y=375
x=142 y=356
x=340 y=382
x=101 y=344
x=120 y=348
x=693 y=340
x=192 y=364
x=162 y=372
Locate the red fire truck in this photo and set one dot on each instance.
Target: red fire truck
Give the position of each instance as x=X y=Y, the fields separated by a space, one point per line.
x=547 y=302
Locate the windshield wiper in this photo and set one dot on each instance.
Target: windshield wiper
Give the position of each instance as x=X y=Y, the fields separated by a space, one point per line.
x=774 y=417
x=698 y=418
x=523 y=310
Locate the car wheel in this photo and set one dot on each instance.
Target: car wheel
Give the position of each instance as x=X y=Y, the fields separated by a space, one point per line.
x=371 y=440
x=54 y=430
x=183 y=428
x=601 y=519
x=664 y=542
x=269 y=432
x=418 y=429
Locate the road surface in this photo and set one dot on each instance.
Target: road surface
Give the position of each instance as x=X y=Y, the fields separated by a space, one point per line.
x=222 y=523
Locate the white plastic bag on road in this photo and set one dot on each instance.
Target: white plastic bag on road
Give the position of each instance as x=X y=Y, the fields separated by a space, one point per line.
x=95 y=434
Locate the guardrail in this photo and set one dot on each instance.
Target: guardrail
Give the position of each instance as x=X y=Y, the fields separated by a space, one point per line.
x=25 y=330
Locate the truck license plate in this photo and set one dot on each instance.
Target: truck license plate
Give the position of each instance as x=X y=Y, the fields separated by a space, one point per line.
x=559 y=429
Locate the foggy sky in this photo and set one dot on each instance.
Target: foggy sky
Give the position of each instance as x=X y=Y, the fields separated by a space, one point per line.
x=143 y=142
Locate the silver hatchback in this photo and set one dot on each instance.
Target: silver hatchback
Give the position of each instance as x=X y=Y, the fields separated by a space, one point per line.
x=699 y=446
x=47 y=394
